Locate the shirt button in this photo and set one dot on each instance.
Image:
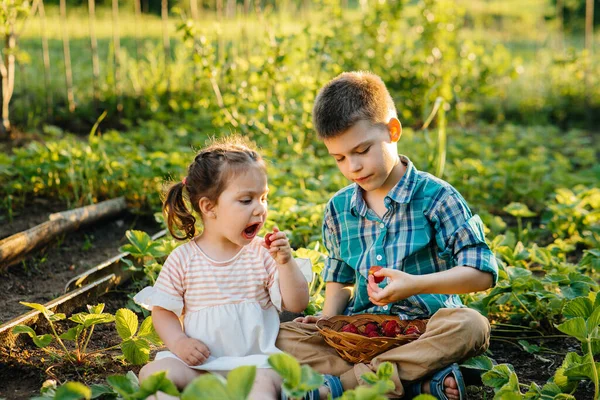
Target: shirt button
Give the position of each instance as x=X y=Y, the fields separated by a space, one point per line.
x=379 y=258
x=382 y=225
x=385 y=307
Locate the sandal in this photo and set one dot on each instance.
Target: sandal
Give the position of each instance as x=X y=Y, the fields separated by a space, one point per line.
x=436 y=385
x=333 y=383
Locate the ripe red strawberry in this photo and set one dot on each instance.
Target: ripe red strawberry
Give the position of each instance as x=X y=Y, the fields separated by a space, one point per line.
x=373 y=334
x=391 y=328
x=372 y=271
x=371 y=327
x=350 y=328
x=412 y=330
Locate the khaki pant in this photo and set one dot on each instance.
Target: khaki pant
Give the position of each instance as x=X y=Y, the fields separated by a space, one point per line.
x=452 y=335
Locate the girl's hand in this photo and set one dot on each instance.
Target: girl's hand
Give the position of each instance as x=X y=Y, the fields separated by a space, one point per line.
x=278 y=246
x=190 y=350
x=309 y=319
x=400 y=286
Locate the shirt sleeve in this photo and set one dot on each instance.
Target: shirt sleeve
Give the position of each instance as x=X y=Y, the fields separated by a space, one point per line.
x=336 y=270
x=459 y=235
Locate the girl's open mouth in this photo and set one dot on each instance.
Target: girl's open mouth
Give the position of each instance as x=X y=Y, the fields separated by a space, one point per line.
x=251 y=230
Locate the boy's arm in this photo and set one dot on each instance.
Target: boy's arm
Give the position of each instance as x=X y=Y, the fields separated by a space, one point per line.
x=457 y=280
x=337 y=296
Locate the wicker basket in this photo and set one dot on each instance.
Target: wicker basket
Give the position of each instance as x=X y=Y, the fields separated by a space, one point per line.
x=356 y=348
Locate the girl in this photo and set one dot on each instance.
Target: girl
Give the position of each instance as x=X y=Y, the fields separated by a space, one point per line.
x=225 y=284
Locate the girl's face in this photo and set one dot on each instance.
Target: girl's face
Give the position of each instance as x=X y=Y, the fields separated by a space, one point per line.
x=241 y=209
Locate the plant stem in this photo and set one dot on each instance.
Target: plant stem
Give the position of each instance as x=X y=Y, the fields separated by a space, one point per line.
x=59 y=340
x=525 y=308
x=533 y=337
x=88 y=339
x=595 y=377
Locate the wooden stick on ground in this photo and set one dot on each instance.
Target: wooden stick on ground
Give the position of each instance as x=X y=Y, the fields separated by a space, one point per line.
x=14 y=248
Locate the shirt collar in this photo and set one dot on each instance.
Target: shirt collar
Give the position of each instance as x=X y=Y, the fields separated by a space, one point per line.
x=401 y=192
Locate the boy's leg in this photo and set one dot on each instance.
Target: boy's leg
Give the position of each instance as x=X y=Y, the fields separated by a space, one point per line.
x=304 y=342
x=267 y=385
x=452 y=335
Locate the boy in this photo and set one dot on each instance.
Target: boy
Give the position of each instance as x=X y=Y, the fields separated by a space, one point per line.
x=416 y=226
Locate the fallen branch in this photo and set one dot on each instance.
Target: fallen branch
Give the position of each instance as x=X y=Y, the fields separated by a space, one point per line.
x=14 y=248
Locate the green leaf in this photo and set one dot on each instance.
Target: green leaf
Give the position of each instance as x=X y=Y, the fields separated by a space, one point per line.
x=519 y=210
x=206 y=387
x=385 y=370
x=287 y=367
x=240 y=382
x=97 y=309
x=370 y=377
x=122 y=385
x=141 y=245
x=102 y=390
x=126 y=322
x=96 y=319
x=73 y=391
x=579 y=307
x=57 y=317
x=41 y=308
x=498 y=376
x=157 y=382
x=482 y=363
x=136 y=351
x=574 y=327
x=594 y=320
x=309 y=379
x=148 y=332
x=39 y=340
x=73 y=333
x=580 y=367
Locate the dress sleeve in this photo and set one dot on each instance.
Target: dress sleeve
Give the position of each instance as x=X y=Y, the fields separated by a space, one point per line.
x=168 y=291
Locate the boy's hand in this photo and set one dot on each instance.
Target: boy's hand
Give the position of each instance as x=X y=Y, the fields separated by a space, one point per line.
x=190 y=350
x=401 y=286
x=278 y=246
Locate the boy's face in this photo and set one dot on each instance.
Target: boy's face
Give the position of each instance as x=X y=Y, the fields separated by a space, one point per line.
x=367 y=154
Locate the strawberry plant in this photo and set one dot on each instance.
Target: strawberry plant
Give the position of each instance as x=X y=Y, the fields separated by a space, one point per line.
x=135 y=344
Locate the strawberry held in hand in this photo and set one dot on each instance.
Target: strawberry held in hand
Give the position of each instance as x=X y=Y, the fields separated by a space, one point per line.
x=372 y=270
x=268 y=237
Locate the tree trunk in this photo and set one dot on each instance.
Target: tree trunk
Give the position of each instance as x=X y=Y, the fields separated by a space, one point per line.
x=94 y=49
x=67 y=55
x=7 y=70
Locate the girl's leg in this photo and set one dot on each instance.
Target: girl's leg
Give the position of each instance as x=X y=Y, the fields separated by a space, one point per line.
x=178 y=372
x=267 y=385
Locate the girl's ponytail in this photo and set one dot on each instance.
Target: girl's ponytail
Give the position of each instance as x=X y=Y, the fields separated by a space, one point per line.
x=178 y=215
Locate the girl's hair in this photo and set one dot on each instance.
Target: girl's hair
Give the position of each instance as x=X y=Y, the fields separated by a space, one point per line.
x=207 y=176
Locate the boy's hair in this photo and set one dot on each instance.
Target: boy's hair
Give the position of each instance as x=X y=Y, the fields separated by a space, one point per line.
x=349 y=98
x=207 y=176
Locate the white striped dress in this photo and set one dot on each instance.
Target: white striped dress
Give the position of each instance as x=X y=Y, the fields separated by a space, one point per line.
x=231 y=306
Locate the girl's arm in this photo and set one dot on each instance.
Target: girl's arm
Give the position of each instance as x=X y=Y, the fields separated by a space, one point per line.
x=293 y=286
x=168 y=326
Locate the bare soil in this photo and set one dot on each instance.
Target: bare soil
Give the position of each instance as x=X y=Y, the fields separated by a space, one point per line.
x=42 y=276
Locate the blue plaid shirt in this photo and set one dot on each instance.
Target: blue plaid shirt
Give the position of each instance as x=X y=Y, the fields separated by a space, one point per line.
x=427 y=228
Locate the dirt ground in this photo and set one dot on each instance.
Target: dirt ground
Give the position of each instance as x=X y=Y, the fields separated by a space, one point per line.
x=43 y=276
